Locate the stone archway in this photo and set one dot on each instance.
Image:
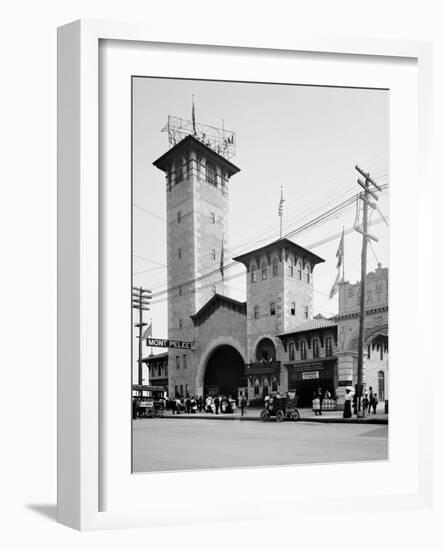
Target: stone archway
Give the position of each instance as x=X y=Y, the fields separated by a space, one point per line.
x=224 y=372
x=205 y=357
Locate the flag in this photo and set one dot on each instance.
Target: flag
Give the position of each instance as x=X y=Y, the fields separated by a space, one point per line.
x=280 y=204
x=148 y=331
x=193 y=116
x=341 y=249
x=222 y=258
x=340 y=255
x=334 y=288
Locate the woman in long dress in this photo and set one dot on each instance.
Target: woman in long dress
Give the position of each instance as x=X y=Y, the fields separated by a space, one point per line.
x=347 y=413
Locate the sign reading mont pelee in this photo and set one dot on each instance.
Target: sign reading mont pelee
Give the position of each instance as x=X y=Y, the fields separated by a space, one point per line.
x=162 y=343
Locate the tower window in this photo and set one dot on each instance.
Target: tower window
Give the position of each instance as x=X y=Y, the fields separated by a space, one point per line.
x=256 y=312
x=179 y=171
x=264 y=271
x=293 y=308
x=315 y=348
x=177 y=362
x=306 y=312
x=213 y=254
x=253 y=274
x=210 y=174
x=212 y=217
x=179 y=253
x=303 y=350
x=291 y=268
x=185 y=361
x=180 y=324
x=299 y=271
x=275 y=267
x=179 y=216
x=272 y=308
x=291 y=351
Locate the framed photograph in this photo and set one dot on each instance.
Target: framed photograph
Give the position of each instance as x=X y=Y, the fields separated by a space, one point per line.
x=233 y=302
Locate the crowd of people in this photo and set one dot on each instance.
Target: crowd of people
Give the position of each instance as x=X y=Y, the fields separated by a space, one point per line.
x=213 y=404
x=369 y=403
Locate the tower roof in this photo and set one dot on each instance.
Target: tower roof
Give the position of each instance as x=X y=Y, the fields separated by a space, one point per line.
x=184 y=146
x=284 y=246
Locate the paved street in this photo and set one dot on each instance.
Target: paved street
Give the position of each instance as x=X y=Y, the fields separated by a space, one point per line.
x=162 y=444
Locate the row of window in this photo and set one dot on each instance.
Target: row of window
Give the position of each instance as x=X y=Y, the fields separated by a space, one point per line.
x=184 y=361
x=213 y=253
x=180 y=217
x=264 y=271
x=266 y=386
x=179 y=390
x=292 y=309
x=315 y=349
x=210 y=172
x=158 y=370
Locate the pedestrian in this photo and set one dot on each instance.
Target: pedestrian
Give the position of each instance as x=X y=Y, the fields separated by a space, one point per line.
x=370 y=400
x=188 y=404
x=134 y=409
x=320 y=397
x=365 y=402
x=216 y=404
x=242 y=405
x=355 y=402
x=316 y=405
x=347 y=412
x=200 y=403
x=375 y=403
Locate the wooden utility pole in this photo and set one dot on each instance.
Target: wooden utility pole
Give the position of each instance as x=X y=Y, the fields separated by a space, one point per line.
x=366 y=199
x=140 y=301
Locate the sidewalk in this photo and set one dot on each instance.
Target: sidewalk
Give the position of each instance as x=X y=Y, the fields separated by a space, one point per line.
x=306 y=415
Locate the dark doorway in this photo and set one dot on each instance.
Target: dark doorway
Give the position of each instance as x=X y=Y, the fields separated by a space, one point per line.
x=305 y=389
x=225 y=372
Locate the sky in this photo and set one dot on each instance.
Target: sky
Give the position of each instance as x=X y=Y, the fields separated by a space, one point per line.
x=307 y=139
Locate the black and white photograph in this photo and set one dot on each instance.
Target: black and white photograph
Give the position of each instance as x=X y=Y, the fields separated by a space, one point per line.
x=260 y=270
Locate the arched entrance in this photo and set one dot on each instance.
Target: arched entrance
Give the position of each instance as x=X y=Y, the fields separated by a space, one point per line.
x=225 y=372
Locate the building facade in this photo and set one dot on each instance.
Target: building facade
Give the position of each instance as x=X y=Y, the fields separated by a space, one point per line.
x=271 y=342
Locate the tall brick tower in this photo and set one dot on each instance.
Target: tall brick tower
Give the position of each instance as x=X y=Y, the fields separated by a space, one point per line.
x=197 y=175
x=279 y=291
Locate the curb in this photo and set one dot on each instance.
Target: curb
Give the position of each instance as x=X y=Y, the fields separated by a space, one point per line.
x=325 y=420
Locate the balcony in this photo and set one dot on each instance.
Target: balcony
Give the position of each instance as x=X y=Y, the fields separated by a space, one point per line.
x=263 y=367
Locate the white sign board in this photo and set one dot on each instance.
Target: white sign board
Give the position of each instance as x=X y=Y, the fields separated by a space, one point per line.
x=310 y=375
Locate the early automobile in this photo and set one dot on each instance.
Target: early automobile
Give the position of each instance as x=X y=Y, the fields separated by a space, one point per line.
x=281 y=408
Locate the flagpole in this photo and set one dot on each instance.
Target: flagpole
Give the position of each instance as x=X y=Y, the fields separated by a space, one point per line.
x=280 y=210
x=344 y=254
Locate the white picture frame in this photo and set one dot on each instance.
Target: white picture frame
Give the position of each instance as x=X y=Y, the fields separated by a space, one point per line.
x=80 y=414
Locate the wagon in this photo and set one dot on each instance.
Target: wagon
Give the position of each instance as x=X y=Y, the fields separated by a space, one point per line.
x=280 y=408
x=149 y=408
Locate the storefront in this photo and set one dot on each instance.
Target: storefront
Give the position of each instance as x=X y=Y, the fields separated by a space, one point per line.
x=306 y=377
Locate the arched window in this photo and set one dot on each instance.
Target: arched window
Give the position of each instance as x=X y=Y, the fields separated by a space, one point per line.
x=291 y=267
x=256 y=387
x=265 y=387
x=254 y=274
x=265 y=350
x=275 y=267
x=264 y=271
x=381 y=385
x=210 y=174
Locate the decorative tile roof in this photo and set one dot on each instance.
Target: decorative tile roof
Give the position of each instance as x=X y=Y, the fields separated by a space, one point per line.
x=313 y=324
